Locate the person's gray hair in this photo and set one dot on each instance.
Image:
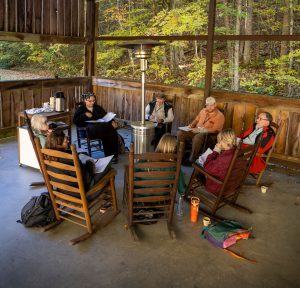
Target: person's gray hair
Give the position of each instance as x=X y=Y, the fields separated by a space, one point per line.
x=38 y=122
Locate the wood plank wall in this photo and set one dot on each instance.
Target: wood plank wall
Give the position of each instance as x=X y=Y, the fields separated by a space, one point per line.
x=123 y=98
x=16 y=96
x=48 y=17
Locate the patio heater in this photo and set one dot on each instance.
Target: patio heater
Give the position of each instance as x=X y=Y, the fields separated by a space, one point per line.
x=142 y=132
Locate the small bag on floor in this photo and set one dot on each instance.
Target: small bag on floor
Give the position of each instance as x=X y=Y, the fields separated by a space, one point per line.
x=38 y=212
x=226 y=233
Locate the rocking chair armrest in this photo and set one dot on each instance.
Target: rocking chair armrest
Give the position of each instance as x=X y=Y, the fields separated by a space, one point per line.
x=201 y=170
x=102 y=183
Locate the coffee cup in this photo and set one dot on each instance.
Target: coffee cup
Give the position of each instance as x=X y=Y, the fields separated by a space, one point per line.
x=206 y=221
x=264 y=189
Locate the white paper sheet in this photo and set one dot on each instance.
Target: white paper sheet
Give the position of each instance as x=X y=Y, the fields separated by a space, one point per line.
x=100 y=164
x=202 y=158
x=108 y=117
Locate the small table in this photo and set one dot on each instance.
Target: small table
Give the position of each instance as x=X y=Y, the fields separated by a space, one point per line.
x=26 y=151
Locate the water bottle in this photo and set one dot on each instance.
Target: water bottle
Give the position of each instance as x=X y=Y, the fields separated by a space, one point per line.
x=180 y=206
x=59 y=101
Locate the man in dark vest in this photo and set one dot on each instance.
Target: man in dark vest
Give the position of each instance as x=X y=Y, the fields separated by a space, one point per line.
x=160 y=112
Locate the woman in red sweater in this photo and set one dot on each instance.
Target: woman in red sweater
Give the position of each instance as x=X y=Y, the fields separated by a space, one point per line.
x=218 y=161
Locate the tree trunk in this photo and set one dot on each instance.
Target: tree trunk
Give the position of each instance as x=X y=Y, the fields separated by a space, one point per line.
x=236 y=80
x=248 y=31
x=285 y=27
x=229 y=46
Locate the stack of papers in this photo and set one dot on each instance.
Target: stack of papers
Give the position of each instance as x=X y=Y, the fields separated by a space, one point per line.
x=108 y=117
x=100 y=164
x=194 y=130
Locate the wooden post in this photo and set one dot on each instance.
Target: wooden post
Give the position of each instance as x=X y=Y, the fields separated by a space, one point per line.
x=90 y=46
x=210 y=47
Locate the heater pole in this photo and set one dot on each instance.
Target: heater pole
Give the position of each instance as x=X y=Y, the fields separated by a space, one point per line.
x=143 y=69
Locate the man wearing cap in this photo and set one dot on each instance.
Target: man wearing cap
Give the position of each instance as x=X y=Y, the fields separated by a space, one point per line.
x=160 y=112
x=209 y=120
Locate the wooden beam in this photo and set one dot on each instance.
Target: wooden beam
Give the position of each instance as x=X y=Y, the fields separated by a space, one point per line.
x=38 y=38
x=90 y=46
x=30 y=84
x=210 y=47
x=264 y=38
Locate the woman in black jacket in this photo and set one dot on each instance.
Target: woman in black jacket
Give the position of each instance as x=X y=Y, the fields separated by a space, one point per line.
x=104 y=131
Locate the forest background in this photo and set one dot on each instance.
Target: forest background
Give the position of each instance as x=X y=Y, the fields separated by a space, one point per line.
x=271 y=68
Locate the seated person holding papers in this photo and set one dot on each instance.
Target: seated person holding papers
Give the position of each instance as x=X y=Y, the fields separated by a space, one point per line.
x=101 y=126
x=160 y=112
x=209 y=120
x=217 y=162
x=92 y=169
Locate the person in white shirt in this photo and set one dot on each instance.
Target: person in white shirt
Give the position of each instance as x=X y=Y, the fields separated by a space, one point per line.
x=160 y=112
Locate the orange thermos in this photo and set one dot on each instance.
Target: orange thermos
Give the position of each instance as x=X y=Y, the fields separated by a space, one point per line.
x=195 y=201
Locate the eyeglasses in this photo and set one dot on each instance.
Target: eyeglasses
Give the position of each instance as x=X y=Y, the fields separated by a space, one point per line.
x=259 y=118
x=91 y=101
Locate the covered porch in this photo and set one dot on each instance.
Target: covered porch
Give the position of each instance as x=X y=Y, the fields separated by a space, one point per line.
x=31 y=258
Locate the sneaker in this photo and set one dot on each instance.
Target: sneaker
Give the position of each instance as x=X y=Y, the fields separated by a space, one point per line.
x=115 y=160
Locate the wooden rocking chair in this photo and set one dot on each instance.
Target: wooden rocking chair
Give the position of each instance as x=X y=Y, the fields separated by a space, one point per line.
x=230 y=186
x=150 y=186
x=69 y=198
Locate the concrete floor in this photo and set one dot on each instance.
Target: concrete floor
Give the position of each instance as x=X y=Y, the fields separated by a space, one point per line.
x=30 y=258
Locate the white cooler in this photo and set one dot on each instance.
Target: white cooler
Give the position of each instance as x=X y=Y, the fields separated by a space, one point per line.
x=26 y=152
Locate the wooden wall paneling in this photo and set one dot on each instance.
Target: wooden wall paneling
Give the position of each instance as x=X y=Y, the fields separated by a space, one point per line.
x=75 y=16
x=81 y=19
x=228 y=114
x=27 y=99
x=53 y=17
x=119 y=105
x=37 y=27
x=111 y=95
x=46 y=16
x=2 y=15
x=6 y=108
x=180 y=118
x=12 y=15
x=136 y=106
x=281 y=140
x=292 y=138
x=238 y=118
x=30 y=17
x=195 y=104
x=68 y=17
x=18 y=105
x=60 y=17
x=21 y=16
x=37 y=97
x=12 y=110
x=249 y=117
x=294 y=135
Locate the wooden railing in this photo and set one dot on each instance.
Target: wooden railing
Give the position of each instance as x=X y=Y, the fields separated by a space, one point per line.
x=16 y=96
x=123 y=97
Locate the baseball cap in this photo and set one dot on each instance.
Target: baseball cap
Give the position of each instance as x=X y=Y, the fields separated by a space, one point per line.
x=210 y=101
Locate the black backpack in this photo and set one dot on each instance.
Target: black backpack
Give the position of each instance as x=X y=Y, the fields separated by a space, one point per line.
x=38 y=212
